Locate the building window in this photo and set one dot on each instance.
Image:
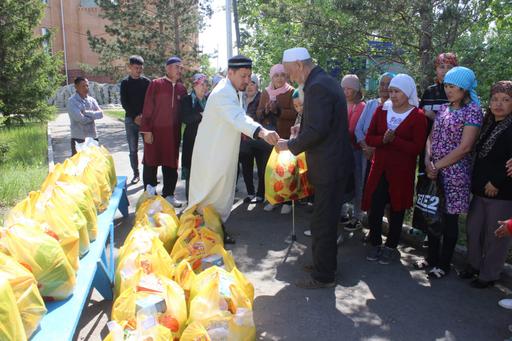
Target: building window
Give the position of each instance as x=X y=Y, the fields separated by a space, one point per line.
x=46 y=42
x=44 y=2
x=88 y=3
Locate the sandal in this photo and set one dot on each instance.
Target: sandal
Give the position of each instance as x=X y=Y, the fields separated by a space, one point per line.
x=436 y=273
x=421 y=264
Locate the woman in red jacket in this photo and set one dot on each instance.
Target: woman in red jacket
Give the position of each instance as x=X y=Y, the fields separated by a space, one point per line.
x=398 y=134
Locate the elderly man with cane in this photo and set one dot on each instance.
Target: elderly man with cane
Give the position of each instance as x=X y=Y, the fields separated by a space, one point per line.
x=323 y=135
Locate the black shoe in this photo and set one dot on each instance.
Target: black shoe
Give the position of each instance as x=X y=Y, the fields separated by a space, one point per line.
x=468 y=273
x=249 y=198
x=228 y=239
x=135 y=179
x=311 y=283
x=479 y=284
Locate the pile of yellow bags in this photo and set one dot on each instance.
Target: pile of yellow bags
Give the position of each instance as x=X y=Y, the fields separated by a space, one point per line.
x=175 y=280
x=285 y=177
x=45 y=234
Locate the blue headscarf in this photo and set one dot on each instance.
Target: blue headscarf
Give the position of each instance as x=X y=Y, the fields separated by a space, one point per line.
x=387 y=74
x=465 y=79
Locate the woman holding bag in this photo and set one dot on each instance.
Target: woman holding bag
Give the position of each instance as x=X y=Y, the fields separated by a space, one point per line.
x=448 y=158
x=398 y=134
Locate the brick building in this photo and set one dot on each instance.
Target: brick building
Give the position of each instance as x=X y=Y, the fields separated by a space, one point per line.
x=70 y=20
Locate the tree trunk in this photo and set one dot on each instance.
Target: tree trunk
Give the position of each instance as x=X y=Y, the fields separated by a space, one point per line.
x=426 y=50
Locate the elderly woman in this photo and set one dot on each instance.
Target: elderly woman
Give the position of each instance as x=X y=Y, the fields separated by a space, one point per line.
x=250 y=149
x=492 y=191
x=192 y=107
x=398 y=133
x=448 y=157
x=276 y=111
x=366 y=117
x=355 y=105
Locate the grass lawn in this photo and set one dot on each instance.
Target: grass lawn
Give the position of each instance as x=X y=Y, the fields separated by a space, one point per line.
x=115 y=113
x=23 y=161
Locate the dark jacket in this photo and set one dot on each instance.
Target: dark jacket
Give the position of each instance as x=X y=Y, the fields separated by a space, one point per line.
x=133 y=93
x=324 y=130
x=191 y=116
x=492 y=167
x=283 y=119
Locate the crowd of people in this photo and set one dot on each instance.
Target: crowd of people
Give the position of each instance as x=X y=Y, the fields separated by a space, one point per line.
x=363 y=154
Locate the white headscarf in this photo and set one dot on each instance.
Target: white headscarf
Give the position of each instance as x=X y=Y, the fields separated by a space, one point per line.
x=407 y=85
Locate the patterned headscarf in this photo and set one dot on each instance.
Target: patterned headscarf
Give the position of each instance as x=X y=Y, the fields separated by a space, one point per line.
x=487 y=144
x=465 y=79
x=446 y=58
x=198 y=78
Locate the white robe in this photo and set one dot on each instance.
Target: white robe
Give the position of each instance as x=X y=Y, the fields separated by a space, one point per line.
x=215 y=155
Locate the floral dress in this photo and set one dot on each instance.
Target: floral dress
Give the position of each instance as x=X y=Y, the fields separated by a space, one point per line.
x=446 y=136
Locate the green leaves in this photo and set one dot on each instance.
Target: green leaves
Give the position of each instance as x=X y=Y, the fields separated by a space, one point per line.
x=28 y=74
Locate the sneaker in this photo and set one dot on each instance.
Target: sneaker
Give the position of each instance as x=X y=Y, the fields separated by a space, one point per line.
x=353 y=225
x=256 y=200
x=268 y=207
x=505 y=303
x=172 y=200
x=286 y=209
x=249 y=198
x=374 y=253
x=307 y=233
x=135 y=179
x=344 y=219
x=387 y=255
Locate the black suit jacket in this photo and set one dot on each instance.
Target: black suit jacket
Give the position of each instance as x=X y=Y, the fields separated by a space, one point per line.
x=324 y=130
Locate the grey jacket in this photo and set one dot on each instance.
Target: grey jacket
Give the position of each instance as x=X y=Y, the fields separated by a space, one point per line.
x=82 y=113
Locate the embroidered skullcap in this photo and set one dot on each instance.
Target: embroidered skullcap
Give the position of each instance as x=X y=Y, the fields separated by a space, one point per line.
x=239 y=61
x=173 y=60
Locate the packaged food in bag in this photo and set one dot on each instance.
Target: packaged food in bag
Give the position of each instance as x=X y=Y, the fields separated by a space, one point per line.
x=193 y=245
x=11 y=326
x=24 y=285
x=208 y=218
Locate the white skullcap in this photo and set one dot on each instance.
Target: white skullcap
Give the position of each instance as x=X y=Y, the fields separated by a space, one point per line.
x=406 y=84
x=294 y=54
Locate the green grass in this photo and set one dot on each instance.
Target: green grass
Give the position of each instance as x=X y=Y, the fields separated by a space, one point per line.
x=23 y=161
x=115 y=113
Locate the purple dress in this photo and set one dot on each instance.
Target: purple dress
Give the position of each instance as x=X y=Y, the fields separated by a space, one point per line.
x=446 y=136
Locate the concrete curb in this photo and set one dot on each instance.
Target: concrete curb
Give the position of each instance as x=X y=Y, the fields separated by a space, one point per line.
x=51 y=163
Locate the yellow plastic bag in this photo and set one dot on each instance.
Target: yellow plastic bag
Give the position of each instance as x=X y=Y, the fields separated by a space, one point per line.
x=195 y=332
x=148 y=194
x=11 y=326
x=124 y=332
x=174 y=312
x=42 y=255
x=185 y=277
x=164 y=225
x=285 y=177
x=145 y=255
x=232 y=287
x=217 y=256
x=52 y=220
x=193 y=245
x=24 y=285
x=209 y=219
x=155 y=204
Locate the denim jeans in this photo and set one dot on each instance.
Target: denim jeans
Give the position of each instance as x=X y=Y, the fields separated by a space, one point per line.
x=132 y=135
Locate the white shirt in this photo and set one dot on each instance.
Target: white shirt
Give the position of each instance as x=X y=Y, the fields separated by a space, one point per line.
x=394 y=119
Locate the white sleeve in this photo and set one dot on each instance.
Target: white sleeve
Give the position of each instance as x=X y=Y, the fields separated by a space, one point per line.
x=235 y=115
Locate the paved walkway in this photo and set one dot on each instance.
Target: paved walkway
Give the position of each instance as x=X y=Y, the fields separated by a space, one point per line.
x=370 y=302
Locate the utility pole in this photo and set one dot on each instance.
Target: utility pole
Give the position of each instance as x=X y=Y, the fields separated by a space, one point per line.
x=229 y=39
x=237 y=25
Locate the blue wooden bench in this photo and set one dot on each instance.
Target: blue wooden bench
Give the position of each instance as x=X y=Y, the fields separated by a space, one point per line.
x=96 y=270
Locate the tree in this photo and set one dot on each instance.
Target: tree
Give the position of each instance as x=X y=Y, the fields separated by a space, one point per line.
x=29 y=75
x=154 y=29
x=338 y=32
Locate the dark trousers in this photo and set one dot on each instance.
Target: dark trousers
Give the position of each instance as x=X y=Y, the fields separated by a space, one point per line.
x=170 y=176
x=247 y=162
x=379 y=200
x=441 y=255
x=73 y=144
x=132 y=136
x=249 y=152
x=324 y=229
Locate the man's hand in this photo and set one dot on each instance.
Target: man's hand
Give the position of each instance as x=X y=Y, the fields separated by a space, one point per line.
x=270 y=136
x=294 y=131
x=509 y=167
x=389 y=136
x=490 y=190
x=148 y=138
x=282 y=145
x=138 y=120
x=502 y=231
